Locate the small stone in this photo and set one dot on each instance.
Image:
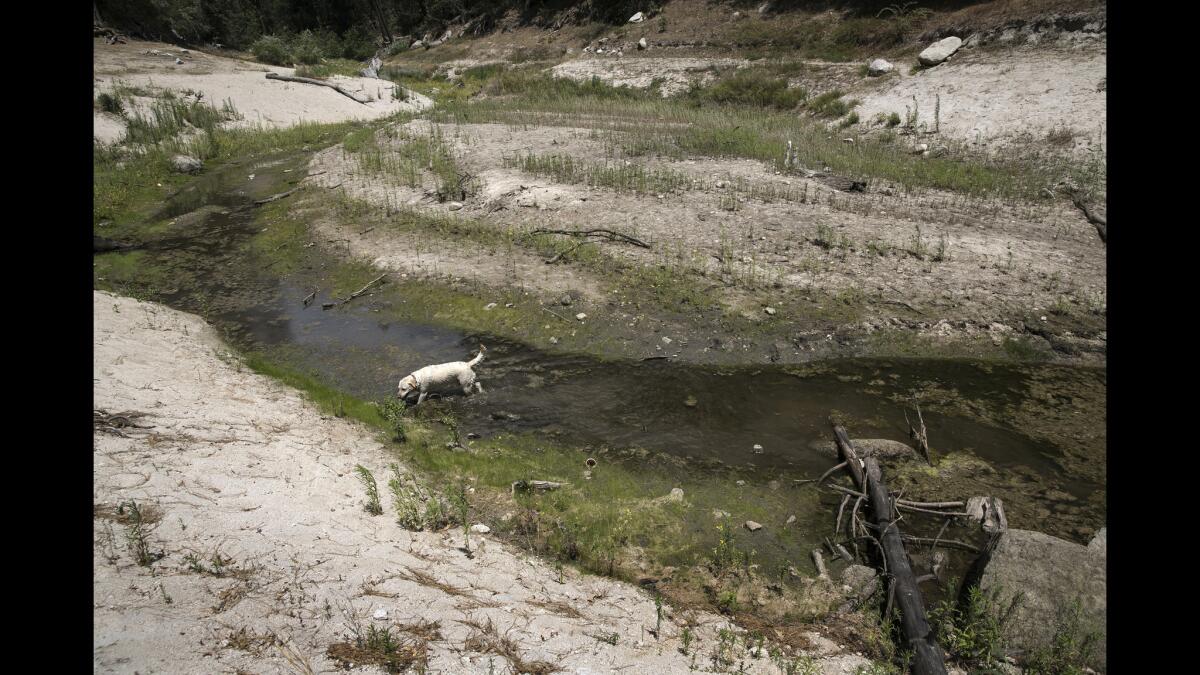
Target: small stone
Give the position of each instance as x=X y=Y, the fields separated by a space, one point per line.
x=581 y=316
x=480 y=528
x=790 y=520
x=666 y=340
x=676 y=495
x=642 y=44
x=454 y=206
x=490 y=306
x=179 y=62
x=770 y=310
x=721 y=184
x=553 y=340
x=719 y=514
x=566 y=300
x=741 y=483
x=380 y=614
x=758 y=449
x=186 y=164
x=637 y=18
x=753 y=526
x=690 y=402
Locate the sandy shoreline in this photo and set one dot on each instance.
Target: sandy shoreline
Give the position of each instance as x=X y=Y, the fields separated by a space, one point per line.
x=236 y=464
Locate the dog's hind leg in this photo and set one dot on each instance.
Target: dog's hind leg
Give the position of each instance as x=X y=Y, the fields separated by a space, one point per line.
x=478 y=388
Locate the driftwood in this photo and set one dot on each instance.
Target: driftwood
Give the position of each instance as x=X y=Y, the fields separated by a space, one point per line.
x=598 y=232
x=322 y=83
x=1101 y=222
x=355 y=294
x=919 y=435
x=928 y=658
x=539 y=485
x=268 y=200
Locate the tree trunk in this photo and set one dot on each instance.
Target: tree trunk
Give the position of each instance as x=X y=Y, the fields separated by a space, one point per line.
x=928 y=658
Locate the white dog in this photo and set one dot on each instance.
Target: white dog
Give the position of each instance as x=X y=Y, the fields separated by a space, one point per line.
x=444 y=378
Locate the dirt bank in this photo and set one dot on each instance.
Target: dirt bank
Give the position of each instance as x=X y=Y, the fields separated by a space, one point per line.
x=150 y=68
x=927 y=263
x=268 y=558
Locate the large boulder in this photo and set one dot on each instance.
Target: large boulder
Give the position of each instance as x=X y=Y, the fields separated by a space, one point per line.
x=1052 y=574
x=939 y=51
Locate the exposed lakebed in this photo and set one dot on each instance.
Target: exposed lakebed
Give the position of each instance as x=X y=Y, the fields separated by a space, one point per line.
x=1030 y=434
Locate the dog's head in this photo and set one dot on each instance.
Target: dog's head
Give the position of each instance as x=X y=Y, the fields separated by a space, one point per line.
x=406 y=387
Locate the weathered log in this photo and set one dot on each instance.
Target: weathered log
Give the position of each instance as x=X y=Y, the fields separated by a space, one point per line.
x=321 y=83
x=105 y=245
x=928 y=658
x=919 y=435
x=540 y=485
x=268 y=200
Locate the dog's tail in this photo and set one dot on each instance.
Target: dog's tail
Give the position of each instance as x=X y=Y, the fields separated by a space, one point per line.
x=478 y=357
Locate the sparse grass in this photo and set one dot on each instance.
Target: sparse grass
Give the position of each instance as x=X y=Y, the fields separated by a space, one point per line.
x=487 y=640
x=109 y=103
x=974 y=632
x=830 y=104
x=379 y=646
x=372 y=505
x=1071 y=648
x=137 y=531
x=675 y=127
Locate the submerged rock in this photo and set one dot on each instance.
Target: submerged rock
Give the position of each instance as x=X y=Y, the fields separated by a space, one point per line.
x=186 y=164
x=1051 y=574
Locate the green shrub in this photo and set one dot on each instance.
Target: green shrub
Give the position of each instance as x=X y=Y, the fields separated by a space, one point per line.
x=271 y=49
x=751 y=89
x=973 y=631
x=110 y=103
x=307 y=48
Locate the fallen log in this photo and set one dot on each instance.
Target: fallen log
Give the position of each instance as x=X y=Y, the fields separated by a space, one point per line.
x=539 y=485
x=598 y=232
x=927 y=656
x=919 y=435
x=1101 y=222
x=321 y=83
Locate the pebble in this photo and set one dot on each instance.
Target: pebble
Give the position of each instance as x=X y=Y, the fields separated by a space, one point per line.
x=380 y=614
x=791 y=519
x=753 y=526
x=480 y=528
x=490 y=306
x=581 y=316
x=758 y=449
x=770 y=310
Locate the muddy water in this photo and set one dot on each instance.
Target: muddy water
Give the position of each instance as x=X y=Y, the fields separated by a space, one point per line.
x=713 y=416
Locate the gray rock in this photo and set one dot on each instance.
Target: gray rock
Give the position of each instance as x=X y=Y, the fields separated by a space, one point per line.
x=1099 y=543
x=867 y=447
x=676 y=495
x=939 y=51
x=186 y=164
x=417 y=45
x=753 y=526
x=988 y=512
x=858 y=577
x=880 y=67
x=480 y=528
x=380 y=614
x=642 y=44
x=637 y=18
x=566 y=300
x=1051 y=573
x=454 y=206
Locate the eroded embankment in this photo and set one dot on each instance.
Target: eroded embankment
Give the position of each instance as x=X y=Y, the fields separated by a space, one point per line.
x=262 y=552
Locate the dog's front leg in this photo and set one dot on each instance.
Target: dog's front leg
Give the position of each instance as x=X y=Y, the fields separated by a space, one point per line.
x=421 y=398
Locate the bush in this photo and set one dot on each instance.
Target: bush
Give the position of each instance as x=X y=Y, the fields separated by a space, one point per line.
x=752 y=89
x=359 y=45
x=271 y=49
x=306 y=48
